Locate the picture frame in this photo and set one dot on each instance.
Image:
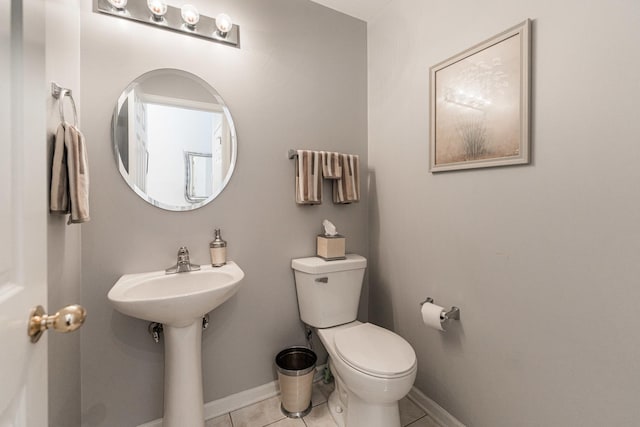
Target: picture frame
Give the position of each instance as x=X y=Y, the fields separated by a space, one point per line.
x=479 y=104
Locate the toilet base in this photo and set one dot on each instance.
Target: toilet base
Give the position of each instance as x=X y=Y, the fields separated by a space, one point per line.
x=364 y=414
x=336 y=409
x=348 y=410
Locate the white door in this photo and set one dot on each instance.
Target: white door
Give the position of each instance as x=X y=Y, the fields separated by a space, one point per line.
x=23 y=214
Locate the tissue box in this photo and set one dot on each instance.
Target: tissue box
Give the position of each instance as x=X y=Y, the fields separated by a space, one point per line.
x=330 y=247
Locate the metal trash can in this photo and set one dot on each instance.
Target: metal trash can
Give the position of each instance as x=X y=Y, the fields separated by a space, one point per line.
x=296 y=368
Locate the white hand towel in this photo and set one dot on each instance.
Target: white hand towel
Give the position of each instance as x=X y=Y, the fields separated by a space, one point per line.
x=78 y=167
x=70 y=175
x=59 y=202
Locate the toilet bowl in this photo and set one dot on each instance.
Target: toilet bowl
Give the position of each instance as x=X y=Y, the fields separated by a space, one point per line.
x=369 y=383
x=373 y=367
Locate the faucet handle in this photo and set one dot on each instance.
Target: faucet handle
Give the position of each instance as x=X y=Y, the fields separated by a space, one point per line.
x=183 y=255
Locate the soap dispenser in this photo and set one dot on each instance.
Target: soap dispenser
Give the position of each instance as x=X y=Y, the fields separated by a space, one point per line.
x=218 y=249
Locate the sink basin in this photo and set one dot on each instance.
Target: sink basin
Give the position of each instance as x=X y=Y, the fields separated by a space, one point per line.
x=175 y=299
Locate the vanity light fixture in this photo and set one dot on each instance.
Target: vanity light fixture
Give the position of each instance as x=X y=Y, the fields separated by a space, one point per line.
x=118 y=4
x=185 y=19
x=190 y=15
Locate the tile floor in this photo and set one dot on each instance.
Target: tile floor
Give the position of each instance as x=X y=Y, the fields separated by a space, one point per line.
x=267 y=413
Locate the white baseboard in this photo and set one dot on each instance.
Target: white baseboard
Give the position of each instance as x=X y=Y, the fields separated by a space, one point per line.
x=239 y=400
x=154 y=423
x=231 y=403
x=435 y=411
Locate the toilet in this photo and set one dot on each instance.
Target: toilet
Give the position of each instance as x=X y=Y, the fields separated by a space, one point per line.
x=373 y=367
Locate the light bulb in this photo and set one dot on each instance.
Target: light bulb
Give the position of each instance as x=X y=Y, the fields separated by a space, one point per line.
x=158 y=8
x=118 y=4
x=224 y=23
x=190 y=15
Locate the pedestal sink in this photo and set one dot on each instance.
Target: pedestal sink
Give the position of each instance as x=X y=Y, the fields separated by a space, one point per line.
x=178 y=301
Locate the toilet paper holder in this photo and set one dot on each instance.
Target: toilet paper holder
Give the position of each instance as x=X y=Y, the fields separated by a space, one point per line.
x=453 y=314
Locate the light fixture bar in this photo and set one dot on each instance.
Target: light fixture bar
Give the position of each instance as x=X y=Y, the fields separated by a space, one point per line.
x=137 y=10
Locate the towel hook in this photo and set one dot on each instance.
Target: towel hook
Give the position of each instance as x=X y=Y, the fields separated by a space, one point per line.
x=59 y=92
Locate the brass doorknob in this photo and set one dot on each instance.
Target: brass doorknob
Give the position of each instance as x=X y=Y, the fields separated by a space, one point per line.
x=68 y=319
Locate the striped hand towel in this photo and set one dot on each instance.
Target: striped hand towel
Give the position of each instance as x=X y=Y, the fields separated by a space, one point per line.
x=331 y=167
x=347 y=188
x=308 y=178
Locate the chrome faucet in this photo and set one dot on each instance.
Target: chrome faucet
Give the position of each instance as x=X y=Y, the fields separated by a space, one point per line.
x=184 y=264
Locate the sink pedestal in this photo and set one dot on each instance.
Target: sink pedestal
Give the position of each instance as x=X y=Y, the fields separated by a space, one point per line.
x=183 y=401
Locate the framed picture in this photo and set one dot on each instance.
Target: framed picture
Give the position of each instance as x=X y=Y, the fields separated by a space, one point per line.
x=479 y=104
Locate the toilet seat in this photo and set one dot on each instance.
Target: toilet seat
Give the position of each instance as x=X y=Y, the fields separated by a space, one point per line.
x=375 y=351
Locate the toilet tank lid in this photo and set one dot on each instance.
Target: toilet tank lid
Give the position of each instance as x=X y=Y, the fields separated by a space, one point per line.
x=317 y=265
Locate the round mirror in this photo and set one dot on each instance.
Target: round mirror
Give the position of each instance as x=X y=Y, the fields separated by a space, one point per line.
x=174 y=139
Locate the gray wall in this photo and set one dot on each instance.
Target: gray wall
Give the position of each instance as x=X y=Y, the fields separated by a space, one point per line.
x=299 y=81
x=62 y=54
x=542 y=259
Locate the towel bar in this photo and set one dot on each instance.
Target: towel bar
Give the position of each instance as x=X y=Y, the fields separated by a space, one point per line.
x=292 y=153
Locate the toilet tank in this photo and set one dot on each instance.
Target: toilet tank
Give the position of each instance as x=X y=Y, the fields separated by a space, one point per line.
x=328 y=291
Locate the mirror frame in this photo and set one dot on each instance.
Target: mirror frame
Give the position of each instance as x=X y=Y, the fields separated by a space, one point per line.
x=227 y=115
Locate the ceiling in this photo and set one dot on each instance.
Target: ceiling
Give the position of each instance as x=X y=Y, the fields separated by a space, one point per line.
x=361 y=9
